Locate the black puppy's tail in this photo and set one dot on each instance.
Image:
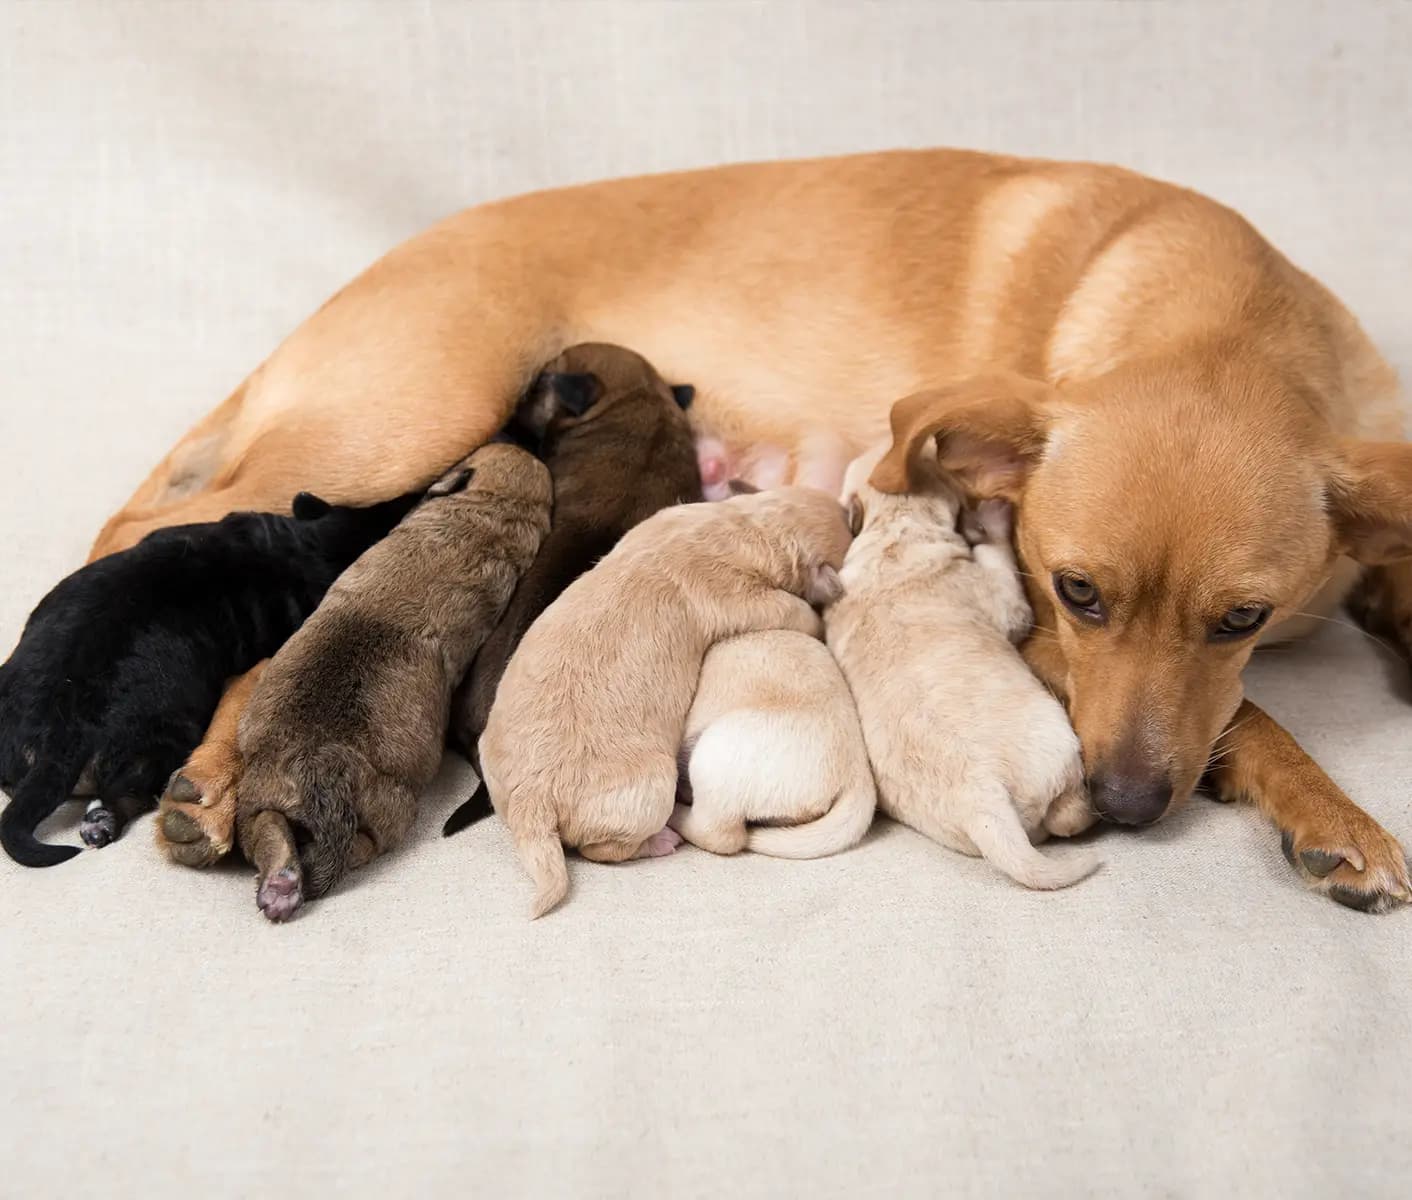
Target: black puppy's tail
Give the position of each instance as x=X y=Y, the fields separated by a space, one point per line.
x=329 y=779
x=46 y=786
x=477 y=808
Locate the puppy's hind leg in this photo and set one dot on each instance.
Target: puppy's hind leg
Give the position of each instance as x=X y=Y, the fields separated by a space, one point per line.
x=105 y=819
x=268 y=842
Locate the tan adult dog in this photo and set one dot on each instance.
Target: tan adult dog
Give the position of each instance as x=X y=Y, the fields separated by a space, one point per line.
x=581 y=745
x=1194 y=427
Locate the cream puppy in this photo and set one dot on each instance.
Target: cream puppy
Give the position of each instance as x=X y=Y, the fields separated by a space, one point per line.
x=773 y=736
x=967 y=746
x=582 y=740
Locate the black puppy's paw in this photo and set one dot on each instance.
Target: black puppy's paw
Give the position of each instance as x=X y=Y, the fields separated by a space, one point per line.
x=100 y=826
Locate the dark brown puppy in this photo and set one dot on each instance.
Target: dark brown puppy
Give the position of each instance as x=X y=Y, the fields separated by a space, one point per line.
x=348 y=723
x=617 y=443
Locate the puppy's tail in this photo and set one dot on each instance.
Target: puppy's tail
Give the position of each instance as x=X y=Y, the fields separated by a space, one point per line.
x=477 y=808
x=328 y=781
x=996 y=830
x=542 y=853
x=841 y=827
x=47 y=785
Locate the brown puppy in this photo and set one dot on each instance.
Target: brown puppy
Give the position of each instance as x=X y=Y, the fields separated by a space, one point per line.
x=1206 y=428
x=618 y=447
x=581 y=745
x=348 y=723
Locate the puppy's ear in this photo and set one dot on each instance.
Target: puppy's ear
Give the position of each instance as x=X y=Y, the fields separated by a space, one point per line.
x=1370 y=501
x=854 y=514
x=683 y=394
x=989 y=431
x=308 y=507
x=453 y=481
x=556 y=394
x=740 y=487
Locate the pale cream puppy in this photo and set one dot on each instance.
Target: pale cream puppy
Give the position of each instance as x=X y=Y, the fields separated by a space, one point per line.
x=967 y=746
x=773 y=736
x=581 y=744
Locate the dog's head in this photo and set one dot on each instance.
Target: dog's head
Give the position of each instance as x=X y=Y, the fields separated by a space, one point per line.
x=1165 y=518
x=584 y=381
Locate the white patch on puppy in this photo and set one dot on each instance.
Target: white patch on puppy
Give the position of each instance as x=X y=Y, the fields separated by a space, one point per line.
x=773 y=736
x=967 y=746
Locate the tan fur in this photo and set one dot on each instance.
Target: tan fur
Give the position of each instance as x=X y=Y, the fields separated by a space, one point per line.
x=967 y=746
x=773 y=739
x=581 y=745
x=348 y=723
x=801 y=298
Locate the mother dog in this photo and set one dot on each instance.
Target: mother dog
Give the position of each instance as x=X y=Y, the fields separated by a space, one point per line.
x=1202 y=439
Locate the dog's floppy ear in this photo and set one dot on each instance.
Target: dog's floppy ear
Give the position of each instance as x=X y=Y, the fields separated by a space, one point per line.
x=683 y=394
x=1370 y=501
x=453 y=481
x=309 y=507
x=989 y=431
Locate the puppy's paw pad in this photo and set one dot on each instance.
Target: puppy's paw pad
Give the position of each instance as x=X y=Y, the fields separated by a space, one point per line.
x=281 y=895
x=660 y=844
x=183 y=790
x=99 y=827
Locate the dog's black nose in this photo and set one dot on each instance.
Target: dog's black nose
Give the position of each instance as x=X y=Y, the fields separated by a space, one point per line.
x=1130 y=799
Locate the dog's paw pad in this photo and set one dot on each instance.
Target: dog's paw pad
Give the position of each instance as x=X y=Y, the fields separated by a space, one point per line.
x=281 y=895
x=99 y=827
x=183 y=790
x=1320 y=862
x=660 y=844
x=1368 y=872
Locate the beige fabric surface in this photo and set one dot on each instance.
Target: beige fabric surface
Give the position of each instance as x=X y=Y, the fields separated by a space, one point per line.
x=180 y=183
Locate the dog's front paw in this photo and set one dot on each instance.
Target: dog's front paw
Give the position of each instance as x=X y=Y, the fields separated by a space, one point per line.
x=196 y=824
x=1351 y=859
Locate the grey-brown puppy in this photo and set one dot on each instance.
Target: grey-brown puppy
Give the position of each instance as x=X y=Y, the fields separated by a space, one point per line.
x=348 y=724
x=618 y=446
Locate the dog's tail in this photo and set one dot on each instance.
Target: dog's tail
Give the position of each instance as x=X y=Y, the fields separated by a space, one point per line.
x=841 y=827
x=542 y=853
x=46 y=786
x=328 y=782
x=477 y=808
x=996 y=830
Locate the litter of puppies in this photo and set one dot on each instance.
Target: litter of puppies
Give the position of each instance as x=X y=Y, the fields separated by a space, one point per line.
x=627 y=664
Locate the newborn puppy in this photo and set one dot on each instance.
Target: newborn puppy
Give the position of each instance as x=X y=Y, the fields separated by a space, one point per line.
x=773 y=736
x=967 y=746
x=122 y=665
x=348 y=722
x=618 y=447
x=581 y=745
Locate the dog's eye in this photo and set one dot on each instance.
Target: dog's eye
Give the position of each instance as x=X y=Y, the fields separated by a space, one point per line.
x=1242 y=621
x=1080 y=594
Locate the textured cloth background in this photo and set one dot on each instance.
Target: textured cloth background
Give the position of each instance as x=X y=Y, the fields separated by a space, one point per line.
x=181 y=183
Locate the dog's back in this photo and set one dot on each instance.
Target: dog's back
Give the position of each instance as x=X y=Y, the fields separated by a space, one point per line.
x=628 y=454
x=967 y=746
x=348 y=722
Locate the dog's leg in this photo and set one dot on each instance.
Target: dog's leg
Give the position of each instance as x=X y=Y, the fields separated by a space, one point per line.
x=1337 y=848
x=268 y=842
x=659 y=845
x=196 y=825
x=1382 y=604
x=104 y=820
x=716 y=832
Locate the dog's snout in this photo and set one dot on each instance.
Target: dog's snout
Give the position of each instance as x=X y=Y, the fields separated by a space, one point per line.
x=1130 y=797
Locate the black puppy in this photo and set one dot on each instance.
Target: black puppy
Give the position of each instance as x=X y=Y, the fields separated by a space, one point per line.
x=121 y=666
x=619 y=448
